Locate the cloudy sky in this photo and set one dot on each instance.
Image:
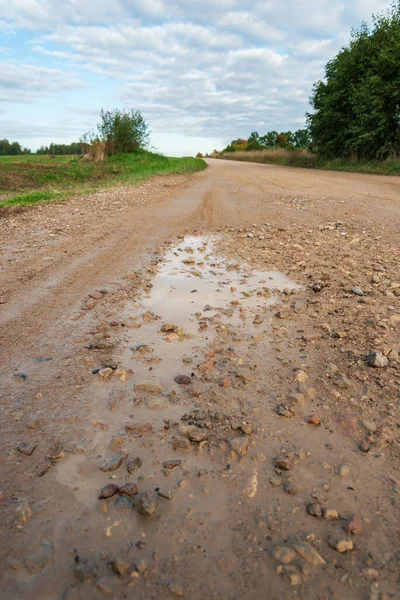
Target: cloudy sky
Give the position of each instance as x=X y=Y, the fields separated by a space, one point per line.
x=201 y=71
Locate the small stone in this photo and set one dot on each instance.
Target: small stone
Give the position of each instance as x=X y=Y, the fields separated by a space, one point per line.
x=106 y=373
x=357 y=290
x=147 y=503
x=182 y=380
x=308 y=553
x=251 y=486
x=365 y=445
x=86 y=570
x=124 y=504
x=172 y=464
x=111 y=464
x=377 y=359
x=275 y=481
x=129 y=489
x=240 y=444
x=177 y=589
x=370 y=426
x=247 y=428
x=314 y=420
x=290 y=488
x=133 y=465
x=283 y=464
x=314 y=509
x=284 y=554
x=180 y=443
x=138 y=428
x=330 y=514
x=108 y=491
x=141 y=566
x=300 y=376
x=197 y=435
x=344 y=471
x=167 y=327
x=148 y=387
x=340 y=544
x=284 y=410
x=354 y=525
x=26 y=448
x=317 y=287
x=121 y=566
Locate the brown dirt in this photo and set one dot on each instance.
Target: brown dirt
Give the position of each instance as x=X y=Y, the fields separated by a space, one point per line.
x=237 y=524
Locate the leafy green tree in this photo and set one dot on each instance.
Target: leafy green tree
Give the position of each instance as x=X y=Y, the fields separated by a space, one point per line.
x=12 y=148
x=301 y=138
x=123 y=130
x=356 y=109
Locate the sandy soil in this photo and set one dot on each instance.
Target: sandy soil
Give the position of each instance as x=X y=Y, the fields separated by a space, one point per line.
x=229 y=342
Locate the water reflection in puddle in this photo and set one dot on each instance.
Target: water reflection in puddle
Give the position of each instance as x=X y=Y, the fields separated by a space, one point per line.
x=200 y=296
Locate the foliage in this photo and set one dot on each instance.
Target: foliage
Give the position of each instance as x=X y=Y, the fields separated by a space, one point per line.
x=12 y=148
x=61 y=149
x=357 y=106
x=272 y=139
x=44 y=179
x=122 y=131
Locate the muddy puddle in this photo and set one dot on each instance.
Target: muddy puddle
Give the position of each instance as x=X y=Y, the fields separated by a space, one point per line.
x=197 y=302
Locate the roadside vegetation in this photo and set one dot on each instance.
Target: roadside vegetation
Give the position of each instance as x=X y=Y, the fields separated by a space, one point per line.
x=354 y=124
x=114 y=154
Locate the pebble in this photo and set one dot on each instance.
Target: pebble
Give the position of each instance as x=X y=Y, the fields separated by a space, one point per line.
x=138 y=429
x=141 y=566
x=177 y=589
x=240 y=444
x=370 y=426
x=357 y=290
x=112 y=463
x=314 y=509
x=182 y=380
x=340 y=544
x=121 y=566
x=180 y=443
x=129 y=489
x=86 y=570
x=275 y=481
x=26 y=448
x=149 y=388
x=377 y=359
x=106 y=373
x=284 y=554
x=300 y=376
x=314 y=420
x=330 y=514
x=108 y=491
x=308 y=553
x=283 y=464
x=147 y=503
x=134 y=465
x=290 y=488
x=124 y=504
x=251 y=486
x=172 y=464
x=365 y=445
x=167 y=327
x=354 y=525
x=106 y=585
x=284 y=410
x=344 y=471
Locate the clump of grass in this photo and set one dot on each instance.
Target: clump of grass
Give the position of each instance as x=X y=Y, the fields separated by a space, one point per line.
x=45 y=180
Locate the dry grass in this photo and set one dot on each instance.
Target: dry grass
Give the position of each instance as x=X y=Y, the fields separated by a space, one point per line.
x=275 y=156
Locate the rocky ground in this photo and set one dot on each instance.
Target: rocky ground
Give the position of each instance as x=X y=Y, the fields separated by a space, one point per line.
x=200 y=390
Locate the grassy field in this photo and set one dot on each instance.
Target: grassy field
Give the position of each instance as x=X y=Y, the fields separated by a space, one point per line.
x=32 y=179
x=305 y=159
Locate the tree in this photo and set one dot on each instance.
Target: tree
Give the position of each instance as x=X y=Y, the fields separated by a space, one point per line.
x=123 y=130
x=356 y=109
x=281 y=141
x=12 y=148
x=301 y=138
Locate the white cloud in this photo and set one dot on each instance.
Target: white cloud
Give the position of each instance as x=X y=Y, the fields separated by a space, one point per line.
x=196 y=68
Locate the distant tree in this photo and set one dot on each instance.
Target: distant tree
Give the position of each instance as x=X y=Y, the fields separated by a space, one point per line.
x=268 y=140
x=61 y=149
x=301 y=138
x=12 y=148
x=199 y=155
x=356 y=109
x=281 y=141
x=123 y=130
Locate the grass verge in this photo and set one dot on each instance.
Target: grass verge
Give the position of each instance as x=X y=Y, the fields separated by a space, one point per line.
x=54 y=179
x=305 y=159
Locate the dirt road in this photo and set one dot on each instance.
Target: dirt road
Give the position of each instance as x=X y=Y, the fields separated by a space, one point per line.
x=222 y=352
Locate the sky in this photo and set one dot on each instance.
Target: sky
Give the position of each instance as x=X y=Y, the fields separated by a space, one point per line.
x=202 y=72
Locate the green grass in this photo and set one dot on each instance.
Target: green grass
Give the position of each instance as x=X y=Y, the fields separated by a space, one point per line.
x=32 y=179
x=305 y=159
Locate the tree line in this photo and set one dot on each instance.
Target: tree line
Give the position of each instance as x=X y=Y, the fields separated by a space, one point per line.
x=62 y=149
x=12 y=148
x=272 y=139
